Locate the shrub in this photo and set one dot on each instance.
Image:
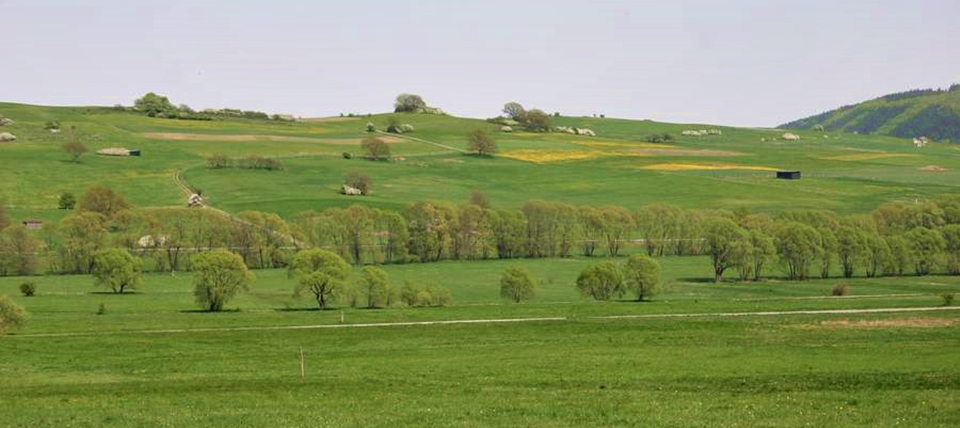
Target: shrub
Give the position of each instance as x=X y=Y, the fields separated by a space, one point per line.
x=12 y=315
x=659 y=138
x=52 y=125
x=947 y=298
x=347 y=155
x=102 y=310
x=67 y=201
x=371 y=127
x=218 y=161
x=260 y=162
x=28 y=288
x=840 y=290
x=358 y=180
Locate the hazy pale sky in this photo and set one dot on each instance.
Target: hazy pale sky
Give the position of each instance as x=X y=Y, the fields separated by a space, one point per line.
x=748 y=63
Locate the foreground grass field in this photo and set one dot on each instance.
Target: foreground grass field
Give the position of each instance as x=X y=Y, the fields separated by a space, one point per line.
x=152 y=360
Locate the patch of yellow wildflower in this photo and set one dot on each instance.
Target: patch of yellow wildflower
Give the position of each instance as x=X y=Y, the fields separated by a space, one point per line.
x=704 y=167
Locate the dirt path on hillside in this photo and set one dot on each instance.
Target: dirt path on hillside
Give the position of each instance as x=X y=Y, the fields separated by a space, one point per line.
x=493 y=321
x=420 y=140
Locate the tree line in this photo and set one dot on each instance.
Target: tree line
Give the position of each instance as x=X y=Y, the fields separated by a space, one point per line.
x=894 y=239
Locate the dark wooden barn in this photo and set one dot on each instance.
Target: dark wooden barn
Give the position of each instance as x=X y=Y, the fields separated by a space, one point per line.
x=788 y=175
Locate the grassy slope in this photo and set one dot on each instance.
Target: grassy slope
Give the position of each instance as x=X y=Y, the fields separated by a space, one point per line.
x=839 y=173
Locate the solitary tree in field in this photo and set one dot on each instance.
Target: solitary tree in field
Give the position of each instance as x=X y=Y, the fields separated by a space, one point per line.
x=116 y=269
x=375 y=148
x=67 y=201
x=600 y=281
x=642 y=275
x=320 y=272
x=536 y=120
x=481 y=143
x=409 y=103
x=153 y=105
x=218 y=276
x=12 y=315
x=75 y=149
x=359 y=180
x=103 y=200
x=514 y=110
x=517 y=284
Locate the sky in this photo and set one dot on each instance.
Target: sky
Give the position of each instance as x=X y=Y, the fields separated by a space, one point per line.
x=740 y=63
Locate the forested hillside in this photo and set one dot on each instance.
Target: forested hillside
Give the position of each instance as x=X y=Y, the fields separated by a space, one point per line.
x=931 y=113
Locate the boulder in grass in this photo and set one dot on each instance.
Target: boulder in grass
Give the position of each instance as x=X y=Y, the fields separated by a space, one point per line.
x=506 y=128
x=586 y=132
x=6 y=137
x=790 y=137
x=6 y=121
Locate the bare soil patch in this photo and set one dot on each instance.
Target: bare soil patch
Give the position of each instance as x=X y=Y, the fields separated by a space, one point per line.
x=932 y=168
x=888 y=323
x=235 y=138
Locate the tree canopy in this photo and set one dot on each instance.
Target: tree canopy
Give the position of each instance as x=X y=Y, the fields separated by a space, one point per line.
x=117 y=269
x=517 y=284
x=218 y=277
x=320 y=272
x=642 y=276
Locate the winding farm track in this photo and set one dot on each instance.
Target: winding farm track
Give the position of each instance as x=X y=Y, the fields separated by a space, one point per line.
x=493 y=321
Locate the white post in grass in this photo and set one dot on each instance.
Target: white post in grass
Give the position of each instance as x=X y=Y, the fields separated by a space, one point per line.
x=303 y=372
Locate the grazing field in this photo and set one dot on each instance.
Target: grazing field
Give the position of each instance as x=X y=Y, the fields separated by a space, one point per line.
x=846 y=173
x=764 y=353
x=152 y=360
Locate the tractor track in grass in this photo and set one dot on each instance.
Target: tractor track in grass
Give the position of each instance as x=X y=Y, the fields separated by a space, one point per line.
x=492 y=321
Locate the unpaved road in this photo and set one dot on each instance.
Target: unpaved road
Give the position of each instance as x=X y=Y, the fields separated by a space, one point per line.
x=492 y=321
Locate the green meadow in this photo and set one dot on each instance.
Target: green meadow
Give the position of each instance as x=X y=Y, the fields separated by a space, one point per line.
x=752 y=354
x=846 y=173
x=152 y=359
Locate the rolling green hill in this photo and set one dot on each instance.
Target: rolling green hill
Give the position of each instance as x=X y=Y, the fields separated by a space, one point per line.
x=931 y=113
x=731 y=169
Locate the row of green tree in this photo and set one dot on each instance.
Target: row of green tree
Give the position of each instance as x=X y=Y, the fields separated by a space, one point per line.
x=894 y=239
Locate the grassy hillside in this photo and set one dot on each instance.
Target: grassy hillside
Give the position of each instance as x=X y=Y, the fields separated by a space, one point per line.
x=927 y=113
x=842 y=171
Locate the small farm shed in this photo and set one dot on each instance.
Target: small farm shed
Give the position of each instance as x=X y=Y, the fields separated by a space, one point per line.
x=788 y=175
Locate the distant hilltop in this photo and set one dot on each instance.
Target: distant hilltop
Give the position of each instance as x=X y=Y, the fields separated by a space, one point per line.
x=930 y=113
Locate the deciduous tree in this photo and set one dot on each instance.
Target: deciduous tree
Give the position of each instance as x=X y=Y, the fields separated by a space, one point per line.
x=320 y=272
x=641 y=274
x=116 y=269
x=218 y=277
x=375 y=148
x=601 y=281
x=480 y=143
x=103 y=200
x=12 y=315
x=517 y=284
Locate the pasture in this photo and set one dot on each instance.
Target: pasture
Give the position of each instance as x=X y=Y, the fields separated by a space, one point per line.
x=846 y=173
x=152 y=360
